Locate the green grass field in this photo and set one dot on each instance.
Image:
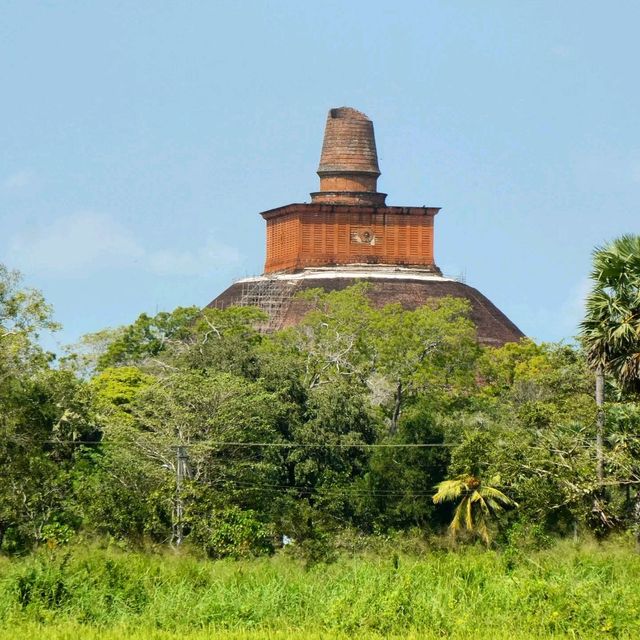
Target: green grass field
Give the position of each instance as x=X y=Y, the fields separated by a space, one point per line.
x=80 y=632
x=569 y=591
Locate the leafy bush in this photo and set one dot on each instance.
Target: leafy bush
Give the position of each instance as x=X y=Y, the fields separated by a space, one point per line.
x=232 y=532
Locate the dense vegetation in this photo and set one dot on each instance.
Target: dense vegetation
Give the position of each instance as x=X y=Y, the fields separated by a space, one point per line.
x=192 y=429
x=349 y=421
x=572 y=591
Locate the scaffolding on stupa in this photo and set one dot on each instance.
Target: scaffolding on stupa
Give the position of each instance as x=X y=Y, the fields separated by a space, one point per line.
x=270 y=295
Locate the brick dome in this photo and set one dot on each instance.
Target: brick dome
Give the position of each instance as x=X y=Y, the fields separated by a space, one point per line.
x=276 y=295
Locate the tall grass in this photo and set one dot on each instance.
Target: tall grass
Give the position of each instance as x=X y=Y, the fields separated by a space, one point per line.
x=567 y=591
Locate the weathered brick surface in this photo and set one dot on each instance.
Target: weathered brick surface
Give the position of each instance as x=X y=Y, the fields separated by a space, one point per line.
x=309 y=235
x=493 y=327
x=349 y=161
x=371 y=198
x=349 y=143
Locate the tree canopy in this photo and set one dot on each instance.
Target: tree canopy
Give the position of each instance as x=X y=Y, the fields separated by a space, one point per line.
x=194 y=425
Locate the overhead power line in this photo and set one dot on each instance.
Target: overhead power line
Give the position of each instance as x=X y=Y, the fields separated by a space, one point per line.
x=282 y=445
x=323 y=491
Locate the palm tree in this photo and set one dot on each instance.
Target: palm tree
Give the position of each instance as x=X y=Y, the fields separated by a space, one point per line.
x=478 y=504
x=611 y=328
x=610 y=331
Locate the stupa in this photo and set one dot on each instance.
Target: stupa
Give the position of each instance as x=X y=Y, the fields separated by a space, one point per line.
x=347 y=234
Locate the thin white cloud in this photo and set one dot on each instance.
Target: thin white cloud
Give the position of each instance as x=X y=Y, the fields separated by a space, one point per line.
x=73 y=244
x=192 y=263
x=17 y=181
x=86 y=242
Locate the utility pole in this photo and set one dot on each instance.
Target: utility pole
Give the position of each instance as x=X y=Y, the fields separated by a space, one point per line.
x=182 y=471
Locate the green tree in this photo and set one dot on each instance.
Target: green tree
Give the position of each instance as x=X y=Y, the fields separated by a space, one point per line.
x=143 y=340
x=531 y=424
x=479 y=502
x=23 y=312
x=398 y=482
x=610 y=332
x=215 y=418
x=431 y=350
x=326 y=458
x=334 y=337
x=222 y=340
x=41 y=409
x=369 y=371
x=392 y=353
x=611 y=328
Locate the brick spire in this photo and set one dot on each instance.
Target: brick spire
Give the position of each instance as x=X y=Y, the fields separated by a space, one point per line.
x=349 y=162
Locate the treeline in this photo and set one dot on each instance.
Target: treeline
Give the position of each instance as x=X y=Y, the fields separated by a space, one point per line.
x=193 y=427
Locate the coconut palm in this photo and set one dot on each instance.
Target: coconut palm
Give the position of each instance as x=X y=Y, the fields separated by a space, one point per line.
x=478 y=503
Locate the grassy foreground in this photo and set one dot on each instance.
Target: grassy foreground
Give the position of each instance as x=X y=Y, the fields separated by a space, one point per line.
x=568 y=591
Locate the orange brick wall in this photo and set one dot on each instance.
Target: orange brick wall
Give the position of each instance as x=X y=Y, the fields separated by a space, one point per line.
x=355 y=182
x=309 y=236
x=283 y=242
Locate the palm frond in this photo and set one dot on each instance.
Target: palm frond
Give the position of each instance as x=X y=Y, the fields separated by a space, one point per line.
x=483 y=530
x=610 y=331
x=479 y=499
x=468 y=518
x=498 y=496
x=448 y=490
x=458 y=519
x=479 y=502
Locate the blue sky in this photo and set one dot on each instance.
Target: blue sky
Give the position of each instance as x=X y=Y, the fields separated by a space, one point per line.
x=140 y=140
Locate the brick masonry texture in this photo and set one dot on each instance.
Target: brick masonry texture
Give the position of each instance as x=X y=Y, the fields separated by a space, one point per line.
x=310 y=235
x=493 y=327
x=349 y=161
x=349 y=143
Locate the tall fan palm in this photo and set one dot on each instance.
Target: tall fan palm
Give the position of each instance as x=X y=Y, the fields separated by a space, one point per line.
x=610 y=331
x=611 y=328
x=479 y=502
